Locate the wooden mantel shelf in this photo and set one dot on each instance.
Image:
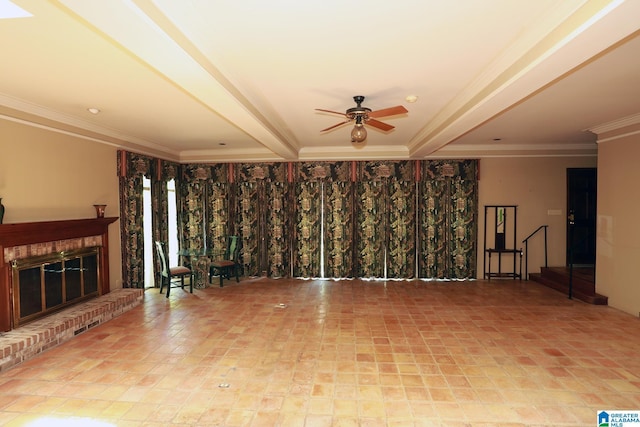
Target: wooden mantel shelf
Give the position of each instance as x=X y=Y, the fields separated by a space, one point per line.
x=27 y=233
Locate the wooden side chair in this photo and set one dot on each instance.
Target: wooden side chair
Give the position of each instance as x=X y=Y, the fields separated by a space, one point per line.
x=230 y=262
x=169 y=276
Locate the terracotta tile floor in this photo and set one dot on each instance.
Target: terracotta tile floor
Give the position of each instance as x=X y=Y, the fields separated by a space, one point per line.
x=348 y=353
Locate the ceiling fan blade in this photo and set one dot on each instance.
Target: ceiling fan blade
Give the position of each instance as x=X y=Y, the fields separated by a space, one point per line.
x=392 y=111
x=329 y=111
x=380 y=125
x=335 y=126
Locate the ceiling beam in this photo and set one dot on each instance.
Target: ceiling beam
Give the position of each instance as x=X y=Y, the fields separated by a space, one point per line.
x=584 y=33
x=141 y=29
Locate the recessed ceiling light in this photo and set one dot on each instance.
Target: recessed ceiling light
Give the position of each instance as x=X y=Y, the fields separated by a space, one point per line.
x=411 y=99
x=93 y=110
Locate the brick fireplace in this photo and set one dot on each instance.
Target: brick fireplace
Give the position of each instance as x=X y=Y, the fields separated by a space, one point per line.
x=44 y=248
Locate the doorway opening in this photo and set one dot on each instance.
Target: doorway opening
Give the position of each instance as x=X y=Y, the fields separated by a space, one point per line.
x=582 y=186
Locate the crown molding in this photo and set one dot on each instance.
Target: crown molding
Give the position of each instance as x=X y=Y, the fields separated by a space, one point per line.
x=30 y=114
x=615 y=124
x=519 y=147
x=354 y=152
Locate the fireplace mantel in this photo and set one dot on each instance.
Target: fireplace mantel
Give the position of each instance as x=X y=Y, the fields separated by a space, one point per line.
x=29 y=233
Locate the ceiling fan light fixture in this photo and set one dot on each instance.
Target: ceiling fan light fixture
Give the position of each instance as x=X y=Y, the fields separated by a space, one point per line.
x=358 y=133
x=363 y=115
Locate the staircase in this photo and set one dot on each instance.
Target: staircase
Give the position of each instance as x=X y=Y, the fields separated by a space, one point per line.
x=584 y=286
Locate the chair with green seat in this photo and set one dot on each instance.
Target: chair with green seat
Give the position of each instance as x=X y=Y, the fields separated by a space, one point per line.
x=168 y=275
x=229 y=263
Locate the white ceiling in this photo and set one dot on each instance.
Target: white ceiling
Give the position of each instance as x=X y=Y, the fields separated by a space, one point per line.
x=176 y=79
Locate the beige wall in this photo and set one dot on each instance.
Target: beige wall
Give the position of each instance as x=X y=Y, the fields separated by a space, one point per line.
x=618 y=228
x=48 y=176
x=536 y=185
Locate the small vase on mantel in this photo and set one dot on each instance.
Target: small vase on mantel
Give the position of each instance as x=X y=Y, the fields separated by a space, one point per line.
x=100 y=210
x=1 y=210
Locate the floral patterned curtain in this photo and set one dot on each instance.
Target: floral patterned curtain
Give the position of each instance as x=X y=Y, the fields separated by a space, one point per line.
x=363 y=213
x=448 y=222
x=249 y=220
x=132 y=168
x=219 y=201
x=191 y=200
x=401 y=248
x=317 y=188
x=386 y=219
x=371 y=229
x=308 y=208
x=263 y=217
x=276 y=232
x=339 y=229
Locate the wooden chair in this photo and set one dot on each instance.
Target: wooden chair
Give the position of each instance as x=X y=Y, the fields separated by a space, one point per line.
x=169 y=275
x=230 y=262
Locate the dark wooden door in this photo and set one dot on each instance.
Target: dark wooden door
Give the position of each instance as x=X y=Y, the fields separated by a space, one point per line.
x=581 y=220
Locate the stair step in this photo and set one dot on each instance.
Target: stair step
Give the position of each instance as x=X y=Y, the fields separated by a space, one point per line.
x=582 y=289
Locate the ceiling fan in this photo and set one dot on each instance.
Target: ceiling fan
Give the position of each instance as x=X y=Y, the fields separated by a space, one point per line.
x=363 y=115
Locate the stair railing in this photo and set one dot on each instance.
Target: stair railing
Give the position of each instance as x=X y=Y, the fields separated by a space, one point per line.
x=526 y=249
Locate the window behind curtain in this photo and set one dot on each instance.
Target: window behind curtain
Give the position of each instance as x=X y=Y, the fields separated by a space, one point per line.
x=149 y=245
x=149 y=250
x=173 y=223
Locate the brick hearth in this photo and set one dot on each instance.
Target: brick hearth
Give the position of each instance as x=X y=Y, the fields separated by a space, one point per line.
x=29 y=340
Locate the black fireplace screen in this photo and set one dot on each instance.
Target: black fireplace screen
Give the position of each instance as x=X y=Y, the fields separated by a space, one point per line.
x=48 y=283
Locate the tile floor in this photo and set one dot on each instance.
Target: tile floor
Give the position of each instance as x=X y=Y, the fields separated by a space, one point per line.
x=348 y=353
